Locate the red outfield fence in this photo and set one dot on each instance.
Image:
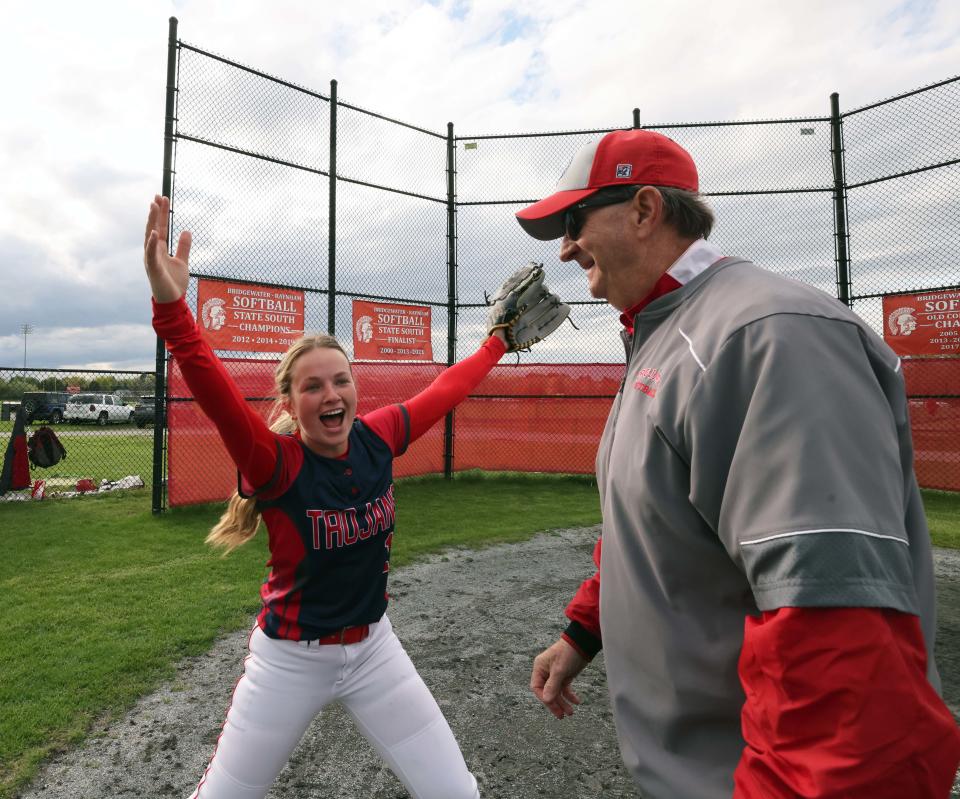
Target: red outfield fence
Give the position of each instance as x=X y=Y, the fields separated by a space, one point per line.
x=935 y=424
x=289 y=190
x=497 y=429
x=933 y=385
x=527 y=417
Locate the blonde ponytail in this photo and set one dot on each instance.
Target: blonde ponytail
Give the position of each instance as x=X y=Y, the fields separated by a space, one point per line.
x=241 y=520
x=237 y=525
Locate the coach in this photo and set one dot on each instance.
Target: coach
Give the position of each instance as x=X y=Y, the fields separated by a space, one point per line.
x=765 y=596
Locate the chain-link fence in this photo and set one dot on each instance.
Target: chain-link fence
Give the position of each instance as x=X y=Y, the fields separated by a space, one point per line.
x=288 y=189
x=318 y=205
x=770 y=185
x=902 y=182
x=103 y=419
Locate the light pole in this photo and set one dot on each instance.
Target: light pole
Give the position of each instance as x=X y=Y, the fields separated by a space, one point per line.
x=25 y=329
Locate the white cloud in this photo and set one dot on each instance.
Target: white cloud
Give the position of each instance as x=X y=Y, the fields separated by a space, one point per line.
x=82 y=134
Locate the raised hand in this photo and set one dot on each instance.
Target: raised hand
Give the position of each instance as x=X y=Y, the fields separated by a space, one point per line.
x=168 y=275
x=524 y=309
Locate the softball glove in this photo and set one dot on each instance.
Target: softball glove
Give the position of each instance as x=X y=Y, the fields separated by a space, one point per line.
x=525 y=309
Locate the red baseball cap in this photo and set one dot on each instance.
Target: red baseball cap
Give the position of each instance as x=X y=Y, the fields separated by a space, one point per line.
x=621 y=158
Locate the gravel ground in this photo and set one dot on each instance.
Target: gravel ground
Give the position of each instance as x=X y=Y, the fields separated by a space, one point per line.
x=472 y=622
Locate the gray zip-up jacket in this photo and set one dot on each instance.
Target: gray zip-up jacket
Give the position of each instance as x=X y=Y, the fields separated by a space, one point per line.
x=758 y=456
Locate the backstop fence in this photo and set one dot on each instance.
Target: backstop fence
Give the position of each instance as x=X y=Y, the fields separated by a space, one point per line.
x=299 y=196
x=291 y=190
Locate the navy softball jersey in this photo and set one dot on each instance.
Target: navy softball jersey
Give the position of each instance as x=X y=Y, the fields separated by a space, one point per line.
x=330 y=536
x=330 y=521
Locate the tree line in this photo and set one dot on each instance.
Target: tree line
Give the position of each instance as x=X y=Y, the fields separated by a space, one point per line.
x=13 y=386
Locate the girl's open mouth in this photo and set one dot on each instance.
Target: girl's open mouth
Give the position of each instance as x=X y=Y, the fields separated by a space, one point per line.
x=332 y=419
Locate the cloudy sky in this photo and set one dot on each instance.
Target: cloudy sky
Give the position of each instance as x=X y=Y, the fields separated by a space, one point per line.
x=82 y=128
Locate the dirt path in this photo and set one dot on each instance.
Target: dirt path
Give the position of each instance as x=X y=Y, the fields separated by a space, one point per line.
x=472 y=622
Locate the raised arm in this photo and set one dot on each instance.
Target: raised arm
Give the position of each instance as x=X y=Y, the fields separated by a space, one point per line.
x=452 y=386
x=448 y=390
x=249 y=442
x=523 y=312
x=168 y=275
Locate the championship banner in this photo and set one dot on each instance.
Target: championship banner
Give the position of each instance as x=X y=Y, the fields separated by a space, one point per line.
x=249 y=318
x=388 y=332
x=923 y=324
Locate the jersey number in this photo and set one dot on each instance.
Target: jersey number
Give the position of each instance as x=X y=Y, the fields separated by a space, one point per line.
x=387 y=543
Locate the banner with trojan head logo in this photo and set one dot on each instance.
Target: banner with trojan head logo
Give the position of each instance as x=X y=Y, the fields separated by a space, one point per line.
x=386 y=331
x=249 y=318
x=923 y=324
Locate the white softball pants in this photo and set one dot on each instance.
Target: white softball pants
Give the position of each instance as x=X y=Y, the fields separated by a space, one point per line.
x=286 y=683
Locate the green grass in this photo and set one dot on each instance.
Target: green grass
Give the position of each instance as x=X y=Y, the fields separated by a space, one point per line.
x=100 y=453
x=105 y=598
x=107 y=455
x=943 y=516
x=478 y=509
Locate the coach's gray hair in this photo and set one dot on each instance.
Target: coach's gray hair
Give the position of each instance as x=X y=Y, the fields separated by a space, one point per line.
x=686 y=212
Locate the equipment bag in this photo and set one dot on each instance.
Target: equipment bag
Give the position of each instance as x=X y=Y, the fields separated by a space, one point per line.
x=44 y=448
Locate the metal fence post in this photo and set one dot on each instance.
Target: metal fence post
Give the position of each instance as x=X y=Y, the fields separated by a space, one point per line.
x=841 y=237
x=332 y=218
x=636 y=117
x=160 y=383
x=451 y=292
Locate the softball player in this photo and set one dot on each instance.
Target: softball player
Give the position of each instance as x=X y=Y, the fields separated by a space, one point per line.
x=325 y=491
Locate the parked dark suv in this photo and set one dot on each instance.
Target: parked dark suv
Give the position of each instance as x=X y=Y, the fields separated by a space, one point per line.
x=143 y=412
x=47 y=406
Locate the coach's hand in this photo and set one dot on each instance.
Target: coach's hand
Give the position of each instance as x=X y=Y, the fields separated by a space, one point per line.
x=168 y=275
x=553 y=671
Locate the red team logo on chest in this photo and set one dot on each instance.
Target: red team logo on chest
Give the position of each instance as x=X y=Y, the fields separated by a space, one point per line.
x=342 y=528
x=647 y=381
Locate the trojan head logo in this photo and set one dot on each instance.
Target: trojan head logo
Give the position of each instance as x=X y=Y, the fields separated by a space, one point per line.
x=647 y=381
x=364 y=329
x=902 y=321
x=213 y=314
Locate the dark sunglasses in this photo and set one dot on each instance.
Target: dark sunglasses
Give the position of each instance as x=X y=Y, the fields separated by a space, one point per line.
x=575 y=217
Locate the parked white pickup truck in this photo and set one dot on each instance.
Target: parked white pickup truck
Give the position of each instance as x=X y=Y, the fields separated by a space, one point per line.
x=98 y=408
